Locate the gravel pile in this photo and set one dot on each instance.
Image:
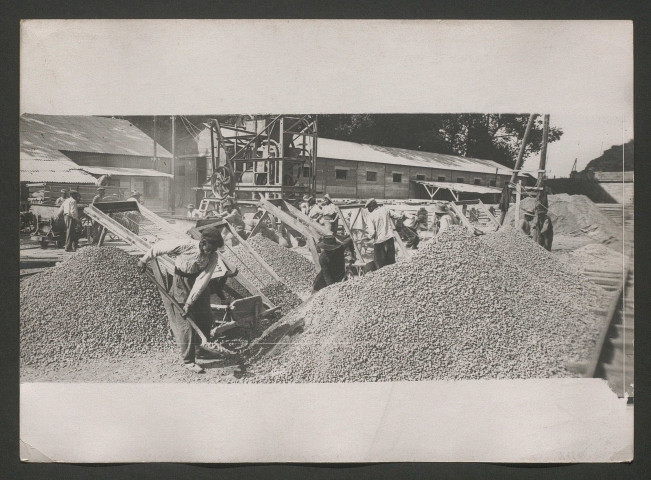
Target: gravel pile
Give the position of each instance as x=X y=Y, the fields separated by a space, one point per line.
x=296 y=271
x=96 y=304
x=277 y=292
x=463 y=307
x=570 y=213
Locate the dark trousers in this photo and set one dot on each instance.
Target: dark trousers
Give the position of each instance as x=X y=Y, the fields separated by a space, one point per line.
x=71 y=232
x=384 y=253
x=184 y=335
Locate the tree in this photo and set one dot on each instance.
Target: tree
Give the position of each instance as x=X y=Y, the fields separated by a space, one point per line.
x=494 y=137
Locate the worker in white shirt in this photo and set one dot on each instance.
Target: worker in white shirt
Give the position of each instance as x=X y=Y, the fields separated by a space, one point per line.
x=314 y=210
x=195 y=265
x=70 y=213
x=380 y=230
x=443 y=219
x=62 y=198
x=329 y=214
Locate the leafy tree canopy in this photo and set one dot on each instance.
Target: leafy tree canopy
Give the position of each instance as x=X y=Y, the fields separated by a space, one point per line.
x=488 y=136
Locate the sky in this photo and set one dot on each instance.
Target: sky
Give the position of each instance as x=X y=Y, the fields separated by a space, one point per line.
x=584 y=138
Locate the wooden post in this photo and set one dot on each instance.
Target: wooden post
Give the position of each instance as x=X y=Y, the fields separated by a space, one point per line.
x=518 y=194
x=523 y=145
x=543 y=151
x=102 y=236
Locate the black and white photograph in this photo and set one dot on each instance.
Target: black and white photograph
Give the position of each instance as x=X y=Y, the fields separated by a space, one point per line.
x=473 y=258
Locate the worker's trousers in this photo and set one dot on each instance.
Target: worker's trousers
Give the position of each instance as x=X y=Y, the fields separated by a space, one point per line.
x=384 y=253
x=184 y=335
x=71 y=232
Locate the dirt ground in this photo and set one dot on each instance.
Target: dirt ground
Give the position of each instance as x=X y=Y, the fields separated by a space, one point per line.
x=156 y=368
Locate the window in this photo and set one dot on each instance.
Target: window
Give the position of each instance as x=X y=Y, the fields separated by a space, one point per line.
x=460 y=180
x=420 y=177
x=441 y=179
x=492 y=183
x=181 y=171
x=371 y=176
x=306 y=172
x=477 y=181
x=397 y=177
x=341 y=174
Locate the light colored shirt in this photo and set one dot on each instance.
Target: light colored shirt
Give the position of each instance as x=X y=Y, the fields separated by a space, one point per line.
x=315 y=212
x=444 y=223
x=379 y=225
x=411 y=221
x=190 y=260
x=69 y=207
x=329 y=211
x=59 y=201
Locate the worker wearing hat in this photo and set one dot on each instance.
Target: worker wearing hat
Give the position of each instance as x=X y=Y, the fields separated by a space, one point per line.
x=379 y=229
x=332 y=261
x=70 y=212
x=100 y=195
x=314 y=210
x=443 y=218
x=62 y=198
x=195 y=265
x=525 y=223
x=543 y=230
x=304 y=205
x=330 y=216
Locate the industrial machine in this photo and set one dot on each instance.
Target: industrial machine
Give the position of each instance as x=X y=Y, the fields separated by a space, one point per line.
x=270 y=155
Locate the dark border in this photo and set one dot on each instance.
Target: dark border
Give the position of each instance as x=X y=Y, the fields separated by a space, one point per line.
x=444 y=9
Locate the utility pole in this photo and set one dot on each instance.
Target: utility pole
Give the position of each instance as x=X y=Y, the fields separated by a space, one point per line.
x=543 y=152
x=172 y=193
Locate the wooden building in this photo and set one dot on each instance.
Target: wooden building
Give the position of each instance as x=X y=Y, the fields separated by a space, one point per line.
x=95 y=146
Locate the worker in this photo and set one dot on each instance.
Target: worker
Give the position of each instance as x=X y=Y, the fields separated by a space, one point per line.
x=525 y=223
x=195 y=265
x=233 y=216
x=410 y=225
x=332 y=261
x=543 y=230
x=100 y=195
x=62 y=198
x=443 y=219
x=314 y=210
x=380 y=230
x=330 y=216
x=135 y=196
x=70 y=213
x=304 y=205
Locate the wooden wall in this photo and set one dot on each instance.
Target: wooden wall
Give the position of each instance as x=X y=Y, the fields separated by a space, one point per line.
x=357 y=185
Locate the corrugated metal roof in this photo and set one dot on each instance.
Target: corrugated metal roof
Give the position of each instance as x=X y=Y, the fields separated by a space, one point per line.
x=39 y=165
x=460 y=187
x=124 y=171
x=86 y=134
x=361 y=152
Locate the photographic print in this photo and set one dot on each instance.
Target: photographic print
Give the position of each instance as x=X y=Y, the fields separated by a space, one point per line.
x=332 y=254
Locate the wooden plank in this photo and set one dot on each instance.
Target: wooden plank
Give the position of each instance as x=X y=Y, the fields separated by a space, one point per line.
x=258 y=226
x=488 y=213
x=605 y=327
x=307 y=220
x=286 y=218
x=254 y=254
x=311 y=245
